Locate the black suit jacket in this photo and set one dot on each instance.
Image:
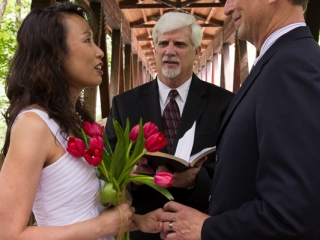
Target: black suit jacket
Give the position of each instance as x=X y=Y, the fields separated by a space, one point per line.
x=267 y=178
x=206 y=104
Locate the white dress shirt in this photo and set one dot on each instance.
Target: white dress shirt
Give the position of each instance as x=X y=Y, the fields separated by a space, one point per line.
x=180 y=99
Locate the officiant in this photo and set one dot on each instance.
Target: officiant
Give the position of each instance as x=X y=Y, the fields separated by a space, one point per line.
x=174 y=100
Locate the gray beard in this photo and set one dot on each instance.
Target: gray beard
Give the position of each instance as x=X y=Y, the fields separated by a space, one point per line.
x=171 y=73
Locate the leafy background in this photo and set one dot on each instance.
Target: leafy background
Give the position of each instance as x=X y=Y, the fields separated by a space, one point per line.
x=12 y=12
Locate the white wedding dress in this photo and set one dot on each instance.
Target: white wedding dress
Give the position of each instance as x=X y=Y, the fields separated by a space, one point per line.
x=67 y=188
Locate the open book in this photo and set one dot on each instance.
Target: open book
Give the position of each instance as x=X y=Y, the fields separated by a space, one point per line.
x=181 y=159
x=173 y=163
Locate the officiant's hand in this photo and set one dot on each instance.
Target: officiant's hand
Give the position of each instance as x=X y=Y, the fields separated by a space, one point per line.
x=187 y=178
x=141 y=168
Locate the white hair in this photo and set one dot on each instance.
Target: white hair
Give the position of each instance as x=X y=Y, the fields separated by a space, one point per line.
x=175 y=20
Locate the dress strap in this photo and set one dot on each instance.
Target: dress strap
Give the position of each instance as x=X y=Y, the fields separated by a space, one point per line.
x=54 y=127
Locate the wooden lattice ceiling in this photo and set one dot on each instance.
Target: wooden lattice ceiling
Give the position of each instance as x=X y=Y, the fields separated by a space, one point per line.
x=137 y=18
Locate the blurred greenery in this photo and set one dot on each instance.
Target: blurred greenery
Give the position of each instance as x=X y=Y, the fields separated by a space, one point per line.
x=15 y=11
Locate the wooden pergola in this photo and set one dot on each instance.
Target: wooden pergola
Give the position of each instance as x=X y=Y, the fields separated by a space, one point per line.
x=130 y=22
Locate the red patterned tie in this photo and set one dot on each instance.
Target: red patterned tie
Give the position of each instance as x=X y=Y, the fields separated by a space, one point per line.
x=171 y=118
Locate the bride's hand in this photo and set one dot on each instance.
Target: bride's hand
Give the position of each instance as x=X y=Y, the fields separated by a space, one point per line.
x=149 y=222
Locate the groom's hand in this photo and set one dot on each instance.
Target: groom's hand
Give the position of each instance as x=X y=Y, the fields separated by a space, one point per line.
x=186 y=223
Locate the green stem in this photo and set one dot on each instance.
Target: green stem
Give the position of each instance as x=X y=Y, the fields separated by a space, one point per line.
x=128 y=151
x=115 y=183
x=128 y=168
x=137 y=178
x=104 y=170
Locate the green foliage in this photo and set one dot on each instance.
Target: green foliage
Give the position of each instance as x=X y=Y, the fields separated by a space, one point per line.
x=8 y=31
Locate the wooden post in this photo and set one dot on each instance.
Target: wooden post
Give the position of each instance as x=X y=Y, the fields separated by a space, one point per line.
x=121 y=77
x=115 y=59
x=312 y=18
x=127 y=69
x=135 y=69
x=237 y=71
x=140 y=67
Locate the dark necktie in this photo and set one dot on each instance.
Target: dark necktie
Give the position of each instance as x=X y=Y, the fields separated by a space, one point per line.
x=171 y=118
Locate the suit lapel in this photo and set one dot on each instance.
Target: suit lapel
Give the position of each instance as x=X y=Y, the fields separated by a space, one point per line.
x=292 y=35
x=193 y=108
x=150 y=106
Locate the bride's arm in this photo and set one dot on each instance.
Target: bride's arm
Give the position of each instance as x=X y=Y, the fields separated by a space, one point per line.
x=32 y=146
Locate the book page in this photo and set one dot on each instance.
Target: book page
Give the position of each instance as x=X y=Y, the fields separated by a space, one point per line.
x=185 y=144
x=199 y=153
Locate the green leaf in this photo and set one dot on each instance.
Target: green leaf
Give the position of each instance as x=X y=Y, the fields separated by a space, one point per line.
x=118 y=129
x=118 y=160
x=107 y=144
x=107 y=159
x=148 y=180
x=126 y=136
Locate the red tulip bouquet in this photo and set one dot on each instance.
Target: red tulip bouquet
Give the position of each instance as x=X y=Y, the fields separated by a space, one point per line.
x=114 y=167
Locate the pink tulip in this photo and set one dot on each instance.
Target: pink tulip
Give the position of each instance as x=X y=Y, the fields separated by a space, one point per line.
x=96 y=142
x=155 y=142
x=92 y=130
x=148 y=129
x=134 y=133
x=97 y=131
x=93 y=156
x=75 y=147
x=163 y=179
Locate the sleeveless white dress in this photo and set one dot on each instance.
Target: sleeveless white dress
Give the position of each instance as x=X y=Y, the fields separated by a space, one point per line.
x=67 y=188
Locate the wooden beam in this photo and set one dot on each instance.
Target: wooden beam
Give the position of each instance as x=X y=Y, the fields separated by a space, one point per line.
x=124 y=5
x=116 y=20
x=208 y=25
x=205 y=37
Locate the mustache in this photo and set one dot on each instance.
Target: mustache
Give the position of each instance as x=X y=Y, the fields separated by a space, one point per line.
x=170 y=59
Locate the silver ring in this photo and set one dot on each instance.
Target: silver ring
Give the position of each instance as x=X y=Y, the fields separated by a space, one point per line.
x=170 y=226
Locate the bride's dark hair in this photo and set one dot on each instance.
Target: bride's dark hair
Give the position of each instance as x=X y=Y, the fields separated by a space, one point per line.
x=35 y=76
